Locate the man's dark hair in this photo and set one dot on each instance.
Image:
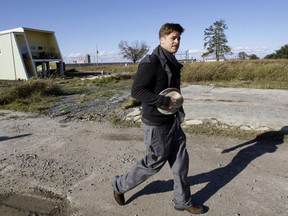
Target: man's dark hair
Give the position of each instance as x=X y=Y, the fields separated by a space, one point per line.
x=167 y=28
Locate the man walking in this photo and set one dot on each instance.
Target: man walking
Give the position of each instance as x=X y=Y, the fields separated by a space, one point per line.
x=161 y=119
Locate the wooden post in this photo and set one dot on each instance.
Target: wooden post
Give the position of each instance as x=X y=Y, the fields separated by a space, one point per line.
x=43 y=69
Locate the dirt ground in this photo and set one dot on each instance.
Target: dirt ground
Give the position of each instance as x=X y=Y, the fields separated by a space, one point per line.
x=68 y=167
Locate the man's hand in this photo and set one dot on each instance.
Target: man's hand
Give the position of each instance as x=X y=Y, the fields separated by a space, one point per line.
x=173 y=103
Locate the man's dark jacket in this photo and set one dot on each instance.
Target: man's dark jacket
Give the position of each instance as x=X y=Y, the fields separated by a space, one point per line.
x=156 y=72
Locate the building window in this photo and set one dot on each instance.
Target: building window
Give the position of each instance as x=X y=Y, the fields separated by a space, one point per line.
x=24 y=49
x=33 y=48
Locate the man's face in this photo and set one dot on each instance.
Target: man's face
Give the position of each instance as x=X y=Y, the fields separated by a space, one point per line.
x=171 y=42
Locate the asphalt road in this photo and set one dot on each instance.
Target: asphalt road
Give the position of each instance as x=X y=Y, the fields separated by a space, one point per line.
x=243 y=107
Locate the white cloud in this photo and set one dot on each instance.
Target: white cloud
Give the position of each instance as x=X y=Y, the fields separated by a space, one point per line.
x=74 y=55
x=102 y=57
x=259 y=51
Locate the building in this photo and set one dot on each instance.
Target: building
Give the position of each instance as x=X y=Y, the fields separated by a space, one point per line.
x=85 y=60
x=27 y=53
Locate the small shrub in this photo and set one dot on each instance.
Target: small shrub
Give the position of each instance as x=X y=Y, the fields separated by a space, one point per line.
x=30 y=89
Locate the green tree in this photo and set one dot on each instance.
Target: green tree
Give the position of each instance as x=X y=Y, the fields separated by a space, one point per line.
x=282 y=53
x=216 y=41
x=253 y=57
x=134 y=52
x=243 y=55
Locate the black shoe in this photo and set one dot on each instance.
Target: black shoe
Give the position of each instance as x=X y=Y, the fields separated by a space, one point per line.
x=195 y=209
x=120 y=199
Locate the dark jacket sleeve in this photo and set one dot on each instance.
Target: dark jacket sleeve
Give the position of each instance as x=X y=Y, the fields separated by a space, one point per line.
x=144 y=87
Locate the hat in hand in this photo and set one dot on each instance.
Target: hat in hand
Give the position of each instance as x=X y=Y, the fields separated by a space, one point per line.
x=173 y=93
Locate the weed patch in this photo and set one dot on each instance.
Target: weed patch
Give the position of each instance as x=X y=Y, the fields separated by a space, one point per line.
x=30 y=95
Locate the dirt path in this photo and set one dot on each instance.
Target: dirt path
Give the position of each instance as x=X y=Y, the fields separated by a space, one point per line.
x=74 y=162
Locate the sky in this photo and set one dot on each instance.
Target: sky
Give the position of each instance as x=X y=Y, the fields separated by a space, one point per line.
x=82 y=27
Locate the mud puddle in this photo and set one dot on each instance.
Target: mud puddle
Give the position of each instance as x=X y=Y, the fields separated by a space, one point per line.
x=39 y=202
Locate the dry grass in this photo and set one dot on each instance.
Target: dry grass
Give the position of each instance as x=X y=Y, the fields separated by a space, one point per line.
x=264 y=74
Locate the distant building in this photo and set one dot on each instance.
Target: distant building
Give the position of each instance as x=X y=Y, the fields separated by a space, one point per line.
x=85 y=60
x=211 y=58
x=24 y=51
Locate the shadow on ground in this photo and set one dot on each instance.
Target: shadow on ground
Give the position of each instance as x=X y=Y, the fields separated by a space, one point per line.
x=216 y=179
x=4 y=138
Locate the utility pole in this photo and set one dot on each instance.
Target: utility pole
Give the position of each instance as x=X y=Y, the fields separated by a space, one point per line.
x=97 y=52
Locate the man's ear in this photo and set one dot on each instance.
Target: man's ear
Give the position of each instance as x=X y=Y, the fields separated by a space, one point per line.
x=161 y=40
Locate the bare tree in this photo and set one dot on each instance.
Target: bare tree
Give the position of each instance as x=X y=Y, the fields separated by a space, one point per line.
x=134 y=52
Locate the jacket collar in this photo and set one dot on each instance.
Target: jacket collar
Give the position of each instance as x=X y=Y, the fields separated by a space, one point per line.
x=164 y=57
